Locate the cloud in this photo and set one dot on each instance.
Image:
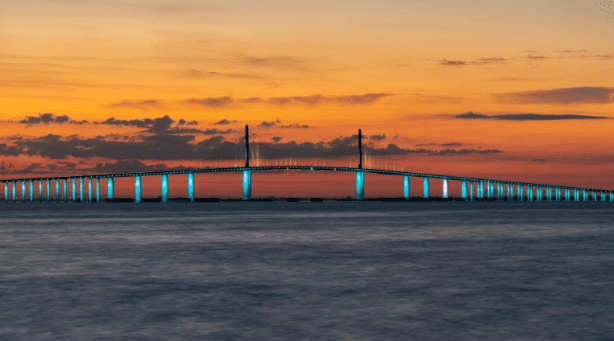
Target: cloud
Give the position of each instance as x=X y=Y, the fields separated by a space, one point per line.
x=276 y=138
x=539 y=160
x=211 y=102
x=378 y=137
x=159 y=142
x=584 y=95
x=536 y=57
x=294 y=126
x=142 y=104
x=284 y=62
x=224 y=122
x=528 y=117
x=481 y=61
x=268 y=125
x=49 y=118
x=202 y=74
x=452 y=144
x=319 y=99
x=573 y=51
x=452 y=62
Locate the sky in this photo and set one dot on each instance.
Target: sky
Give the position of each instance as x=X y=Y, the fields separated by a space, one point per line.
x=514 y=90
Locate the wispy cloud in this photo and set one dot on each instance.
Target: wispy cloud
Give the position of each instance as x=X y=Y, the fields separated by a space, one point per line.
x=584 y=95
x=140 y=104
x=319 y=99
x=481 y=61
x=211 y=102
x=527 y=117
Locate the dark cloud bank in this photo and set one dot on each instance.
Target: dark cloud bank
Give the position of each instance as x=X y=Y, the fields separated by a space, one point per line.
x=165 y=139
x=527 y=117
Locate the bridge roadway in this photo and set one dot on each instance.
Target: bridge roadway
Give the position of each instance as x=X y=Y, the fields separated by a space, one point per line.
x=467 y=184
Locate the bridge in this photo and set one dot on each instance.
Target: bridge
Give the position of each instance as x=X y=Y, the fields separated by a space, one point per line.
x=484 y=188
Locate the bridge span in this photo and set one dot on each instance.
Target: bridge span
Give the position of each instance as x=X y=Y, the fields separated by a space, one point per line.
x=484 y=188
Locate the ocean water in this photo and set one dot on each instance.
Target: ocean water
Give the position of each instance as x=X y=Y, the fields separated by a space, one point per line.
x=305 y=271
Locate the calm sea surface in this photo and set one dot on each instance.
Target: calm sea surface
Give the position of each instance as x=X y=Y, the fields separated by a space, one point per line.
x=303 y=271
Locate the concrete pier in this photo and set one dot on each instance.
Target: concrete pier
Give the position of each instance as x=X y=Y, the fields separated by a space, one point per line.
x=471 y=190
x=89 y=189
x=445 y=188
x=576 y=195
x=594 y=195
x=584 y=195
x=406 y=186
x=425 y=187
x=6 y=191
x=80 y=189
x=31 y=191
x=40 y=190
x=191 y=186
x=510 y=192
x=97 y=190
x=57 y=189
x=74 y=189
x=247 y=184
x=360 y=186
x=464 y=190
x=65 y=186
x=602 y=196
x=137 y=189
x=164 y=188
x=23 y=191
x=48 y=190
x=110 y=188
x=14 y=191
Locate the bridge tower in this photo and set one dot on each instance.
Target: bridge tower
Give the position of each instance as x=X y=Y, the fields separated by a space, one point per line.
x=360 y=175
x=247 y=173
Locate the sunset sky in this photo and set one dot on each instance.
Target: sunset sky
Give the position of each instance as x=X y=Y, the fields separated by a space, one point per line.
x=507 y=89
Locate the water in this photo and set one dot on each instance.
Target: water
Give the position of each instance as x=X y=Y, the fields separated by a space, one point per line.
x=302 y=271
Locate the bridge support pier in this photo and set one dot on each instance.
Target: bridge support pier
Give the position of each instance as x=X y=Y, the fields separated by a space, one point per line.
x=97 y=189
x=74 y=189
x=31 y=191
x=492 y=189
x=539 y=193
x=594 y=195
x=464 y=190
x=471 y=190
x=406 y=186
x=247 y=184
x=164 y=188
x=57 y=189
x=89 y=189
x=510 y=192
x=576 y=195
x=425 y=187
x=14 y=191
x=40 y=190
x=48 y=190
x=602 y=196
x=80 y=189
x=191 y=186
x=445 y=188
x=65 y=185
x=110 y=189
x=529 y=193
x=23 y=191
x=360 y=186
x=611 y=196
x=6 y=191
x=137 y=189
x=584 y=195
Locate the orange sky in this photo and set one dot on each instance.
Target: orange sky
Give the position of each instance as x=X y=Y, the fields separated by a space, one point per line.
x=443 y=81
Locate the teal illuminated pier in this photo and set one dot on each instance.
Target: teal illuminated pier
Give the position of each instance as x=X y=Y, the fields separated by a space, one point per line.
x=484 y=188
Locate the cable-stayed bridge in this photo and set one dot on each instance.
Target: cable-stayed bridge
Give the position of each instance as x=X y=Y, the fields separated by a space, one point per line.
x=471 y=188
